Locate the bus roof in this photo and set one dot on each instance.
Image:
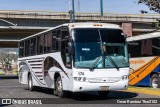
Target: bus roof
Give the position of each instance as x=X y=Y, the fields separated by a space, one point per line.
x=144 y=36
x=79 y=25
x=92 y=25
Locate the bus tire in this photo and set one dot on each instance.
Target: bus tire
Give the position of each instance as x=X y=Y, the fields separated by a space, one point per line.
x=154 y=81
x=30 y=83
x=59 y=88
x=103 y=94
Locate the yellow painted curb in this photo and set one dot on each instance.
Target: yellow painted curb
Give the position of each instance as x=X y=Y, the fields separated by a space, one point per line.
x=142 y=90
x=14 y=73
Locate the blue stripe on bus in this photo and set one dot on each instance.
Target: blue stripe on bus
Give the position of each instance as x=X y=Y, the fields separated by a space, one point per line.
x=146 y=81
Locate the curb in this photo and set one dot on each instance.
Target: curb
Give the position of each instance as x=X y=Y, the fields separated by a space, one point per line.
x=8 y=77
x=142 y=90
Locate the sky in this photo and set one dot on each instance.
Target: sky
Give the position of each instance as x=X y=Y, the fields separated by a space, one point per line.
x=110 y=6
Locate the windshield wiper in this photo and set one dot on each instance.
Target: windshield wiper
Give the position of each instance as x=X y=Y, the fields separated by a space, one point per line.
x=113 y=62
x=93 y=66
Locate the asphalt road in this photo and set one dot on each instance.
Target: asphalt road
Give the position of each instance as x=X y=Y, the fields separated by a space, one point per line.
x=11 y=88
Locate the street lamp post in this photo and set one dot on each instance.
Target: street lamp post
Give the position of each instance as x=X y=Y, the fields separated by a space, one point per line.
x=73 y=12
x=101 y=6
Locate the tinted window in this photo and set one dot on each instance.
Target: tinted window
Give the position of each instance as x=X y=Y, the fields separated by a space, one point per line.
x=21 y=49
x=93 y=35
x=47 y=42
x=142 y=48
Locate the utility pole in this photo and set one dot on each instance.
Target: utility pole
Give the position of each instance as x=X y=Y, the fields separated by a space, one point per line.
x=78 y=6
x=73 y=12
x=101 y=6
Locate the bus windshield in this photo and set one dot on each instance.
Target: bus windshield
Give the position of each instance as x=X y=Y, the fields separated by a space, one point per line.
x=88 y=48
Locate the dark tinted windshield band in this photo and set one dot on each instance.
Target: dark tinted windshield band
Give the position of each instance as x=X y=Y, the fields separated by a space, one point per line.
x=92 y=35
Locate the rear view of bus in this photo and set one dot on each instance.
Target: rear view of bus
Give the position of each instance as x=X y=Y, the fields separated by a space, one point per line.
x=77 y=57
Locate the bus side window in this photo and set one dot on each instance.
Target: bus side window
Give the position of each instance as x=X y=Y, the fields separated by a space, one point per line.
x=27 y=47
x=59 y=33
x=146 y=47
x=40 y=42
x=54 y=41
x=64 y=48
x=38 y=45
x=33 y=46
x=156 y=46
x=135 y=49
x=56 y=34
x=47 y=42
x=21 y=49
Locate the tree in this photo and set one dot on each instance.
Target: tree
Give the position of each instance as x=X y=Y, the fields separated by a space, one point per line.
x=154 y=5
x=6 y=59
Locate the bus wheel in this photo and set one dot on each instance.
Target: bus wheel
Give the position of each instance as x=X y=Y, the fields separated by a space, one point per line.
x=30 y=83
x=103 y=94
x=59 y=88
x=154 y=81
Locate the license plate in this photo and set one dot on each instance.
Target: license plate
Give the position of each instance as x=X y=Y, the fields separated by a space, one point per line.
x=104 y=88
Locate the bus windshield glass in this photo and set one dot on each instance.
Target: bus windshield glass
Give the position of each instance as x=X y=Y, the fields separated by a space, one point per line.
x=88 y=48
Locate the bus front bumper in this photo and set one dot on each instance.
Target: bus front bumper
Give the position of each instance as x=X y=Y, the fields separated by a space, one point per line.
x=87 y=86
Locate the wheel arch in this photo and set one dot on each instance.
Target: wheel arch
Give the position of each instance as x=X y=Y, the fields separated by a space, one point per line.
x=153 y=74
x=29 y=73
x=56 y=75
x=59 y=74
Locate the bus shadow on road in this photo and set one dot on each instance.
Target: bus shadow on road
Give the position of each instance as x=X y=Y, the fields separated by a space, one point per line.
x=8 y=77
x=91 y=96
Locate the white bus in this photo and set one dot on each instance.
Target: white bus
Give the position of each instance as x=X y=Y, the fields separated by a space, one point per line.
x=75 y=57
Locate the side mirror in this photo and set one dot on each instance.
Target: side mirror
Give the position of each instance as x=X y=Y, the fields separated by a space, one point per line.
x=129 y=56
x=70 y=48
x=68 y=60
x=67 y=37
x=125 y=36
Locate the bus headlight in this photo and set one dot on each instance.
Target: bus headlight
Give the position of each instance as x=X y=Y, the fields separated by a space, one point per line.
x=81 y=79
x=125 y=77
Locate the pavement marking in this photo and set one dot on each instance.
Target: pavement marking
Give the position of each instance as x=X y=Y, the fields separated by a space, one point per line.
x=1 y=96
x=142 y=90
x=10 y=86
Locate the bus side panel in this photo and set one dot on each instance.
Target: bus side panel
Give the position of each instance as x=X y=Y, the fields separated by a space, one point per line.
x=141 y=69
x=49 y=78
x=53 y=65
x=144 y=82
x=23 y=73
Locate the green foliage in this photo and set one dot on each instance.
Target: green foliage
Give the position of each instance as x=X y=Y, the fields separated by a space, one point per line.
x=154 y=5
x=6 y=60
